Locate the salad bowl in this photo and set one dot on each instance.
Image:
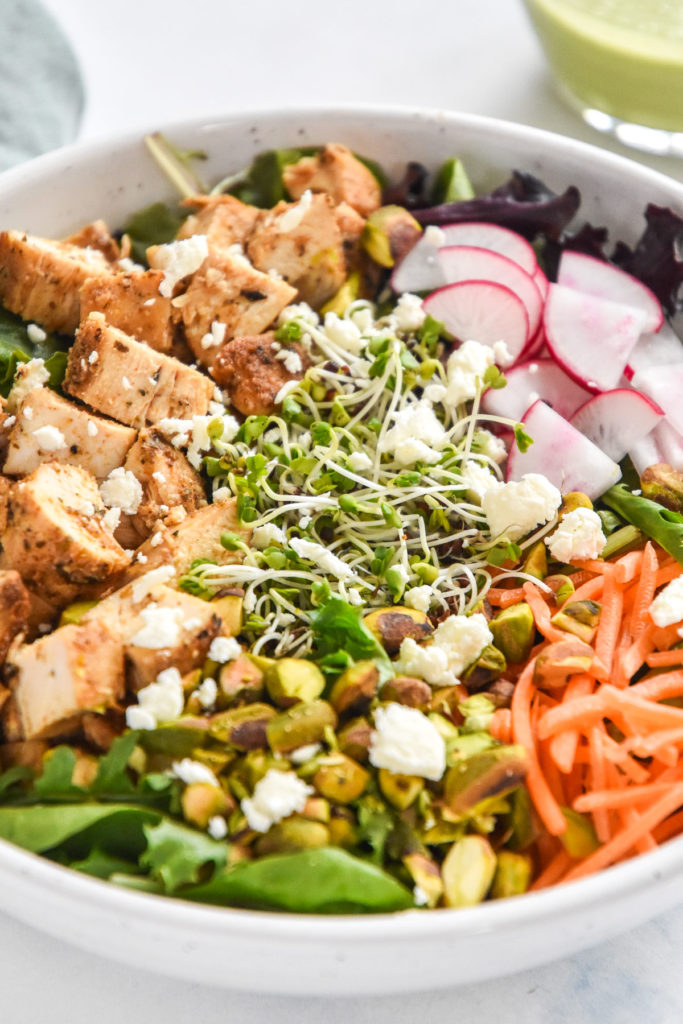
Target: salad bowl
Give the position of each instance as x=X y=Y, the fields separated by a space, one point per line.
x=315 y=954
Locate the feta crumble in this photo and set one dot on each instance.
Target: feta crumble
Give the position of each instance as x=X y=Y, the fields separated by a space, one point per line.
x=122 y=490
x=207 y=692
x=143 y=585
x=189 y=772
x=292 y=217
x=466 y=367
x=305 y=753
x=358 y=462
x=28 y=376
x=161 y=628
x=406 y=742
x=161 y=701
x=515 y=508
x=215 y=335
x=667 y=607
x=178 y=260
x=111 y=519
x=217 y=827
x=478 y=479
x=263 y=536
x=344 y=333
x=408 y=313
x=35 y=333
x=416 y=436
x=419 y=598
x=291 y=360
x=49 y=439
x=578 y=536
x=456 y=643
x=276 y=796
x=224 y=648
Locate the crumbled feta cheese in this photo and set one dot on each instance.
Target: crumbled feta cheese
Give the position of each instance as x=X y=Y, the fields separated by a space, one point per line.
x=324 y=559
x=292 y=217
x=178 y=260
x=8 y=422
x=490 y=446
x=214 y=336
x=27 y=412
x=456 y=643
x=221 y=494
x=419 y=598
x=299 y=311
x=206 y=692
x=263 y=536
x=28 y=376
x=84 y=508
x=291 y=360
x=111 y=519
x=276 y=796
x=465 y=370
x=35 y=333
x=141 y=558
x=161 y=629
x=344 y=333
x=515 y=508
x=667 y=607
x=406 y=742
x=217 y=827
x=305 y=753
x=92 y=429
x=189 y=772
x=408 y=313
x=149 y=302
x=416 y=436
x=224 y=648
x=93 y=357
x=161 y=701
x=420 y=896
x=578 y=536
x=159 y=477
x=478 y=479
x=123 y=490
x=435 y=236
x=358 y=462
x=156 y=539
x=143 y=585
x=49 y=439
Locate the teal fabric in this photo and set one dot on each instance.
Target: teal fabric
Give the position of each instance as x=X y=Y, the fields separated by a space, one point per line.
x=41 y=91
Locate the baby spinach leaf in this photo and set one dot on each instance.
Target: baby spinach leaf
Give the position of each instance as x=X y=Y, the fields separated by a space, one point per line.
x=55 y=783
x=261 y=184
x=154 y=225
x=658 y=523
x=337 y=626
x=112 y=774
x=46 y=826
x=15 y=775
x=176 y=853
x=15 y=348
x=101 y=864
x=327 y=880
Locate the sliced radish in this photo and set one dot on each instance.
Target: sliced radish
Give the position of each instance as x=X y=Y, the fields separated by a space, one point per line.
x=541 y=281
x=595 y=277
x=420 y=270
x=561 y=453
x=663 y=444
x=530 y=381
x=481 y=311
x=660 y=349
x=646 y=453
x=591 y=338
x=468 y=263
x=664 y=384
x=535 y=346
x=617 y=420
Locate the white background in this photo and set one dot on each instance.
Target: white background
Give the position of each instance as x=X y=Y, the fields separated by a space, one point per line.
x=147 y=62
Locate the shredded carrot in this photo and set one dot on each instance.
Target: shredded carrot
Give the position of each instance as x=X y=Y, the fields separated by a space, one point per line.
x=553 y=872
x=563 y=746
x=661 y=687
x=541 y=613
x=667 y=573
x=601 y=819
x=672 y=826
x=635 y=654
x=627 y=796
x=664 y=659
x=499 y=597
x=500 y=725
x=609 y=626
x=590 y=590
x=645 y=591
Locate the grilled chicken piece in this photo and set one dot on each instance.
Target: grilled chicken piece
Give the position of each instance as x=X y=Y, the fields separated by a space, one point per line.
x=223 y=219
x=55 y=535
x=196 y=536
x=337 y=172
x=91 y=442
x=14 y=609
x=351 y=225
x=301 y=241
x=132 y=303
x=97 y=236
x=129 y=381
x=227 y=289
x=41 y=280
x=168 y=482
x=5 y=486
x=253 y=369
x=56 y=680
x=158 y=627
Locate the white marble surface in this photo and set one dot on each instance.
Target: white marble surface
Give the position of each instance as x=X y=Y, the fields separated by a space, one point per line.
x=150 y=61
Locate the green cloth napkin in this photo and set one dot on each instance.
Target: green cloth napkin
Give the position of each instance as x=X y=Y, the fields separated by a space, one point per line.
x=41 y=91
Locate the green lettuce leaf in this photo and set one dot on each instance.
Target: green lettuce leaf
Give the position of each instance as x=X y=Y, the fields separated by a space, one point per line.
x=15 y=348
x=154 y=225
x=323 y=881
x=176 y=854
x=44 y=827
x=338 y=627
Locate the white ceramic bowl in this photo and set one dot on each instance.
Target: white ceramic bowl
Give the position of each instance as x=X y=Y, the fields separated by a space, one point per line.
x=265 y=952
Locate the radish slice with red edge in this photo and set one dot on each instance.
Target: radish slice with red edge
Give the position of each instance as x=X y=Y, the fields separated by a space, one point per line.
x=561 y=453
x=595 y=277
x=660 y=349
x=541 y=281
x=646 y=452
x=468 y=263
x=664 y=444
x=529 y=381
x=481 y=311
x=535 y=346
x=420 y=270
x=591 y=338
x=664 y=384
x=617 y=420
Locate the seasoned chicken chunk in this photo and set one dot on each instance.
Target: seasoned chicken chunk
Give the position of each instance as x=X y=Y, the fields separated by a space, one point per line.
x=62 y=676
x=5 y=485
x=57 y=429
x=132 y=303
x=97 y=235
x=223 y=219
x=168 y=482
x=158 y=627
x=337 y=172
x=55 y=535
x=253 y=369
x=229 y=292
x=351 y=225
x=14 y=609
x=130 y=381
x=302 y=242
x=41 y=280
